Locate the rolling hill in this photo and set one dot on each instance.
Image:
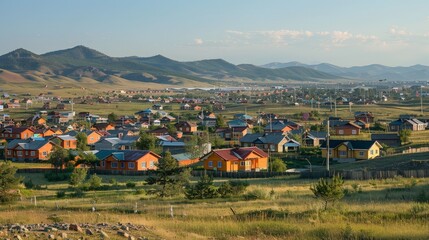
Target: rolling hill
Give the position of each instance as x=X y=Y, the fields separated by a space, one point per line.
x=82 y=62
x=368 y=72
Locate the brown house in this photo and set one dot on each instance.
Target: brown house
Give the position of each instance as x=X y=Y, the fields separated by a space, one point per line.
x=29 y=150
x=366 y=117
x=66 y=141
x=103 y=127
x=127 y=160
x=186 y=127
x=16 y=133
x=348 y=128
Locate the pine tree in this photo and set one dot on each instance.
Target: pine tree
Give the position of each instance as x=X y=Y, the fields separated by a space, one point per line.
x=203 y=189
x=329 y=190
x=82 y=141
x=59 y=157
x=9 y=183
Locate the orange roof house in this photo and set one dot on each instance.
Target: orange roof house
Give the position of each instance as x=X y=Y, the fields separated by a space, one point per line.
x=16 y=133
x=29 y=149
x=127 y=160
x=236 y=159
x=66 y=141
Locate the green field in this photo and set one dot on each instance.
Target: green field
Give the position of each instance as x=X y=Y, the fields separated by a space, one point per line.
x=377 y=209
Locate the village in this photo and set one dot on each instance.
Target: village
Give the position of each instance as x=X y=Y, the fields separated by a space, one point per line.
x=216 y=130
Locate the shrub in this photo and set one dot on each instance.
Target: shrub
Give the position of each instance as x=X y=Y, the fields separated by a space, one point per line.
x=130 y=184
x=29 y=184
x=256 y=194
x=328 y=190
x=94 y=182
x=203 y=189
x=61 y=194
x=422 y=197
x=232 y=188
x=56 y=176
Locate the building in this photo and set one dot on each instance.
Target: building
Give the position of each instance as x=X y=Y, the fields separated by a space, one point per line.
x=127 y=160
x=347 y=128
x=412 y=124
x=29 y=149
x=351 y=150
x=236 y=159
x=10 y=133
x=185 y=159
x=186 y=127
x=366 y=117
x=66 y=141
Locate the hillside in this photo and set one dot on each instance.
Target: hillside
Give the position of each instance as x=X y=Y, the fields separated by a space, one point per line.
x=368 y=72
x=83 y=62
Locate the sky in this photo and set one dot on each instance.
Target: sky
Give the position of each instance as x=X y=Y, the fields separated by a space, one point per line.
x=341 y=32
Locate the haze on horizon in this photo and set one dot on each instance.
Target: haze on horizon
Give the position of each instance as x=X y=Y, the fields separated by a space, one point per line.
x=344 y=33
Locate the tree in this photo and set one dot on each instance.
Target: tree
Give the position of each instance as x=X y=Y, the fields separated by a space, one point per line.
x=9 y=183
x=257 y=129
x=404 y=135
x=278 y=165
x=148 y=142
x=78 y=176
x=94 y=181
x=203 y=189
x=112 y=117
x=328 y=190
x=195 y=146
x=220 y=121
x=169 y=177
x=59 y=157
x=82 y=141
x=171 y=129
x=89 y=159
x=216 y=141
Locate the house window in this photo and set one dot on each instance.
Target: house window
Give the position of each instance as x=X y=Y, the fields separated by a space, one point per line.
x=103 y=163
x=376 y=151
x=131 y=165
x=219 y=164
x=273 y=148
x=26 y=153
x=19 y=153
x=9 y=152
x=354 y=132
x=343 y=153
x=361 y=153
x=372 y=152
x=33 y=153
x=114 y=165
x=151 y=164
x=210 y=163
x=45 y=154
x=122 y=165
x=248 y=163
x=341 y=131
x=242 y=163
x=144 y=165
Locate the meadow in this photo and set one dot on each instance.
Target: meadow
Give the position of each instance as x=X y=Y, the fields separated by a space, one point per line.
x=284 y=208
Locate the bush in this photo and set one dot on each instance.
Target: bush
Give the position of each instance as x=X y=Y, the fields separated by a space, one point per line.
x=78 y=193
x=256 y=194
x=61 y=194
x=94 y=182
x=56 y=176
x=130 y=184
x=29 y=184
x=328 y=190
x=232 y=188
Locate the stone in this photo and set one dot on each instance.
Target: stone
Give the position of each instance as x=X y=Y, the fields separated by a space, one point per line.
x=89 y=232
x=104 y=235
x=131 y=238
x=75 y=227
x=63 y=235
x=51 y=236
x=125 y=228
x=123 y=234
x=50 y=229
x=17 y=237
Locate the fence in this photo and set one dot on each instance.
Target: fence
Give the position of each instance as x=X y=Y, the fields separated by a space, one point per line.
x=242 y=174
x=366 y=175
x=416 y=150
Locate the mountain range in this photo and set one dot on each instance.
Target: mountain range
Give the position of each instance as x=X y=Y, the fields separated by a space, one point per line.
x=81 y=62
x=368 y=72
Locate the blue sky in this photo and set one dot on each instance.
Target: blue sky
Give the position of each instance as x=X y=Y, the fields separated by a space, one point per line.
x=341 y=32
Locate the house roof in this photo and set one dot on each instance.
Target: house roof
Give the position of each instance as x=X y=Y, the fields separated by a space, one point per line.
x=124 y=155
x=66 y=137
x=384 y=136
x=229 y=154
x=182 y=156
x=28 y=144
x=352 y=144
x=16 y=130
x=275 y=126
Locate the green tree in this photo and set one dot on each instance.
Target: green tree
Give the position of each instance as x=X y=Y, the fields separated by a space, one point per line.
x=59 y=157
x=112 y=117
x=195 y=146
x=257 y=129
x=82 y=141
x=9 y=183
x=203 y=189
x=216 y=141
x=404 y=135
x=278 y=165
x=78 y=176
x=148 y=142
x=169 y=177
x=89 y=159
x=171 y=129
x=328 y=190
x=94 y=181
x=220 y=121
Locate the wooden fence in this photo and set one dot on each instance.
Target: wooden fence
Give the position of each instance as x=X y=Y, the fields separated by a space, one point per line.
x=416 y=150
x=366 y=175
x=242 y=174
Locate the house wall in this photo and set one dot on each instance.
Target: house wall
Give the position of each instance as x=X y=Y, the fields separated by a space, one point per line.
x=347 y=130
x=69 y=144
x=92 y=138
x=138 y=164
x=254 y=162
x=39 y=154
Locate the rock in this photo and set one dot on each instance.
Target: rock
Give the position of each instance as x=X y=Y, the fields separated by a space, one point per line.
x=104 y=235
x=123 y=234
x=131 y=238
x=75 y=227
x=17 y=237
x=63 y=235
x=51 y=236
x=50 y=229
x=125 y=228
x=89 y=232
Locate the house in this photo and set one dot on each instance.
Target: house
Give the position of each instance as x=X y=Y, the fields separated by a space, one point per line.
x=36 y=121
x=186 y=127
x=366 y=117
x=278 y=127
x=313 y=138
x=237 y=123
x=46 y=132
x=157 y=107
x=412 y=124
x=159 y=131
x=185 y=159
x=167 y=119
x=232 y=134
x=197 y=108
x=127 y=160
x=115 y=143
x=66 y=141
x=351 y=150
x=273 y=142
x=236 y=159
x=208 y=121
x=91 y=136
x=390 y=139
x=10 y=133
x=61 y=106
x=102 y=127
x=242 y=116
x=291 y=146
x=348 y=128
x=32 y=149
x=185 y=107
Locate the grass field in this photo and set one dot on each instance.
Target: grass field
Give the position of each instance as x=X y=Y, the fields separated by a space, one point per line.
x=378 y=209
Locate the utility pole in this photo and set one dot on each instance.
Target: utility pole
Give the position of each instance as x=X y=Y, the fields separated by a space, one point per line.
x=327 y=146
x=421 y=100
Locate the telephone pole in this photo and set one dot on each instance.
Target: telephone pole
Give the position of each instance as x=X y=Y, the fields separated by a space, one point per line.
x=327 y=146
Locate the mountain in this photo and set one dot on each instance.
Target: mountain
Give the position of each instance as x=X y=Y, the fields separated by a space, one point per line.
x=368 y=72
x=86 y=65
